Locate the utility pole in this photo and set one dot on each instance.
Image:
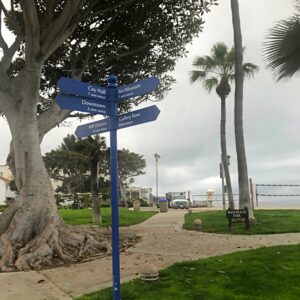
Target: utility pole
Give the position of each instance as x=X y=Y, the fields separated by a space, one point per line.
x=223 y=187
x=222 y=177
x=156 y=156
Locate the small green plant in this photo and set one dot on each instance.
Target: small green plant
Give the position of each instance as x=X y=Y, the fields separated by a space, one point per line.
x=2 y=207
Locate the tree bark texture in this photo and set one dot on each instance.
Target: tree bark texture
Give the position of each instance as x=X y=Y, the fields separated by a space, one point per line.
x=224 y=152
x=244 y=196
x=32 y=233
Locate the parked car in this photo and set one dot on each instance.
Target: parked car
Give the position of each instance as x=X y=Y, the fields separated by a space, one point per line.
x=180 y=203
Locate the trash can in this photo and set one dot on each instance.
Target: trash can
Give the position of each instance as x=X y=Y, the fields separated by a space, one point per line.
x=163 y=205
x=136 y=205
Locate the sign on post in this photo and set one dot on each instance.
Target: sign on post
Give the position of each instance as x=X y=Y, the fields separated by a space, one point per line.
x=238 y=213
x=81 y=96
x=138 y=88
x=82 y=104
x=81 y=89
x=137 y=117
x=89 y=129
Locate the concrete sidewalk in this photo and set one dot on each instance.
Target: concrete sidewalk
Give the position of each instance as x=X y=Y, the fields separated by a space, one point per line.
x=163 y=243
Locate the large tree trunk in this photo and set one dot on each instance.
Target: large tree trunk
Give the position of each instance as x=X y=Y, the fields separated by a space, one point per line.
x=224 y=152
x=94 y=189
x=244 y=195
x=31 y=232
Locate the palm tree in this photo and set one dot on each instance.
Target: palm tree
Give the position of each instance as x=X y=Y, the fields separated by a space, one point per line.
x=282 y=48
x=244 y=193
x=217 y=71
x=93 y=149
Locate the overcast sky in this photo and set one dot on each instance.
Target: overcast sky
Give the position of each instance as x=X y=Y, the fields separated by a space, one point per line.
x=186 y=133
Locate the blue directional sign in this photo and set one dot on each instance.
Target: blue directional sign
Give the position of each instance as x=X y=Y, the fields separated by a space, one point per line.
x=77 y=95
x=137 y=117
x=82 y=89
x=138 y=88
x=82 y=104
x=96 y=127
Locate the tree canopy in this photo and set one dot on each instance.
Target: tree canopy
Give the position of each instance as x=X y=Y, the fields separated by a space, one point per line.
x=82 y=39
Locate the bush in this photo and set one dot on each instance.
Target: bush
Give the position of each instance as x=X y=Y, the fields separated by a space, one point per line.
x=2 y=207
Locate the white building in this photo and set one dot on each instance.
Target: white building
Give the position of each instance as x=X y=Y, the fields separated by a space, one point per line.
x=5 y=178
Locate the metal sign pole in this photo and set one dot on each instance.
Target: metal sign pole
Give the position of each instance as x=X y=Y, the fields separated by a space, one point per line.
x=112 y=94
x=83 y=96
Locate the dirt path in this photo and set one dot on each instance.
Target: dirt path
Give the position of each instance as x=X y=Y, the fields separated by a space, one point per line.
x=163 y=243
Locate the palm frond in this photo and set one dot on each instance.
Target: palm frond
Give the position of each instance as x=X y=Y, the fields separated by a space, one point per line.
x=206 y=63
x=250 y=69
x=282 y=48
x=219 y=51
x=199 y=61
x=210 y=83
x=196 y=75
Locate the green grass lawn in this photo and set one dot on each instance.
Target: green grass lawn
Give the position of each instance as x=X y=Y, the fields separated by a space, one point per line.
x=266 y=222
x=84 y=216
x=263 y=274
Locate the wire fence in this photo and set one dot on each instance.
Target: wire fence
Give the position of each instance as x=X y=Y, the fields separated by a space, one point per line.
x=277 y=195
x=216 y=200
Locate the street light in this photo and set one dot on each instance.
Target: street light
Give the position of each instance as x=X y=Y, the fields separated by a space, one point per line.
x=222 y=176
x=131 y=181
x=156 y=156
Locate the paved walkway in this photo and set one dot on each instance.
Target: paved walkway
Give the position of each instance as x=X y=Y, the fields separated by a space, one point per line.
x=163 y=243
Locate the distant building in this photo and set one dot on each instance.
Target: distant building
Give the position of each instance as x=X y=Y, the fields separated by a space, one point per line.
x=134 y=193
x=5 y=179
x=146 y=194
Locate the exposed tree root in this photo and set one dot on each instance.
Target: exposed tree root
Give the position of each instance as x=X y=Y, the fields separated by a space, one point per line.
x=56 y=244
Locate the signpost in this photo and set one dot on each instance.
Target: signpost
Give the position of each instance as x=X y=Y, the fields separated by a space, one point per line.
x=92 y=128
x=138 y=88
x=82 y=104
x=238 y=213
x=136 y=117
x=81 y=89
x=86 y=97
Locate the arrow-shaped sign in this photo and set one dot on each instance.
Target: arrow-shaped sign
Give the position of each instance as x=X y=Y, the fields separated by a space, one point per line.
x=82 y=89
x=138 y=88
x=137 y=117
x=92 y=128
x=133 y=118
x=82 y=104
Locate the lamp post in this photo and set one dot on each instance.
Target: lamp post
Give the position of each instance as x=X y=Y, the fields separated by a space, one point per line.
x=131 y=181
x=222 y=177
x=156 y=156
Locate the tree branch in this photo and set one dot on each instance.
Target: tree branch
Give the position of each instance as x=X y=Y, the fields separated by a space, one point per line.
x=60 y=28
x=10 y=18
x=49 y=12
x=88 y=14
x=118 y=56
x=3 y=44
x=9 y=54
x=49 y=119
x=94 y=43
x=32 y=27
